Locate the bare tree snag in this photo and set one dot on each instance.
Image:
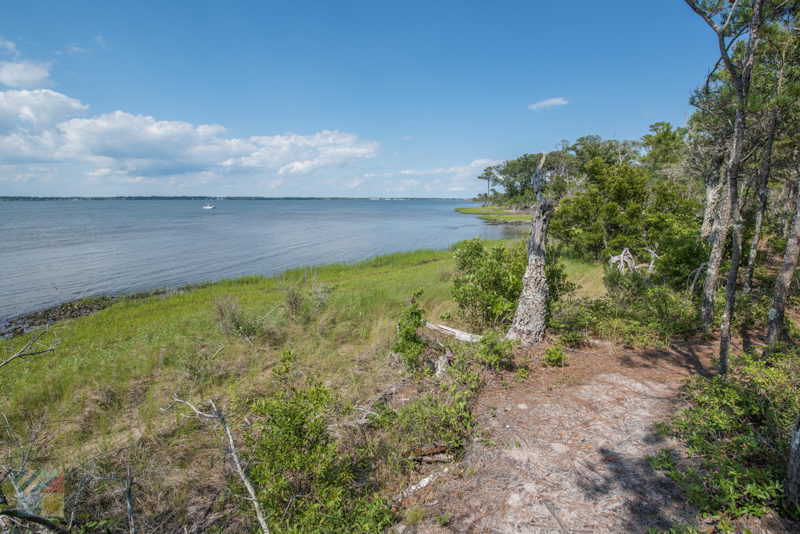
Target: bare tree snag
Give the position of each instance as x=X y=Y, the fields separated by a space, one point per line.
x=791 y=485
x=784 y=280
x=529 y=320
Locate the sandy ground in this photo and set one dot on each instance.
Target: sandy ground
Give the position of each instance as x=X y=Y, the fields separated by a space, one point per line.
x=565 y=451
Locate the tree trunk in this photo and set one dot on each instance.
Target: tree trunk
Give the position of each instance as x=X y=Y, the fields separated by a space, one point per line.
x=734 y=166
x=530 y=318
x=730 y=296
x=718 y=215
x=791 y=485
x=763 y=191
x=784 y=279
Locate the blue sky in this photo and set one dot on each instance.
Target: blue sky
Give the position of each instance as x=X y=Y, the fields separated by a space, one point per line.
x=343 y=98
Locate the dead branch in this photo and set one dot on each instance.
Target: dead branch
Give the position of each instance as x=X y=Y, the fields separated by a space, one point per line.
x=219 y=416
x=422 y=484
x=452 y=332
x=33 y=518
x=31 y=348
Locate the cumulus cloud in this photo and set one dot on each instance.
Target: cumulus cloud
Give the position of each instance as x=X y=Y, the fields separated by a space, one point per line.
x=41 y=126
x=39 y=108
x=24 y=74
x=548 y=103
x=457 y=178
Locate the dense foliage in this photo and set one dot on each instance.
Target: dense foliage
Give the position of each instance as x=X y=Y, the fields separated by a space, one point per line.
x=303 y=480
x=738 y=429
x=489 y=281
x=623 y=206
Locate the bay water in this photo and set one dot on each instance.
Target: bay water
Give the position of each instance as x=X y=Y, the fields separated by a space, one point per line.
x=56 y=251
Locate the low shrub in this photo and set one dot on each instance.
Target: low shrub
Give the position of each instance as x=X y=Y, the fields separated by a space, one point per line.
x=495 y=352
x=554 y=356
x=409 y=343
x=305 y=300
x=234 y=320
x=738 y=427
x=303 y=480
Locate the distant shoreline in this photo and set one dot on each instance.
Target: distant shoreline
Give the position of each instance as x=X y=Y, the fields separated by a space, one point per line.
x=35 y=199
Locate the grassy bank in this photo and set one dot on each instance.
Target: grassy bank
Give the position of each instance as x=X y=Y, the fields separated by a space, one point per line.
x=109 y=386
x=496 y=214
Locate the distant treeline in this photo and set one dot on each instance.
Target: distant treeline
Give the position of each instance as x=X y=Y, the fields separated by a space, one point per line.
x=11 y=198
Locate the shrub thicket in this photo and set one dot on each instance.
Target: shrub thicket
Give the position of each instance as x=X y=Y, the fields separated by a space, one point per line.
x=489 y=281
x=738 y=428
x=304 y=481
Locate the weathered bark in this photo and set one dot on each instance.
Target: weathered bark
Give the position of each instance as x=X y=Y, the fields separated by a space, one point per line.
x=718 y=233
x=730 y=296
x=791 y=485
x=529 y=320
x=784 y=279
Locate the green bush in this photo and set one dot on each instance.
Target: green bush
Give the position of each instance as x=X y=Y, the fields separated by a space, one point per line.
x=738 y=426
x=442 y=417
x=554 y=356
x=409 y=343
x=495 y=352
x=303 y=480
x=622 y=206
x=489 y=281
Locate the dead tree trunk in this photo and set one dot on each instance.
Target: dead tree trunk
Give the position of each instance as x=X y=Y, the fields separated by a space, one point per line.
x=791 y=485
x=530 y=318
x=784 y=279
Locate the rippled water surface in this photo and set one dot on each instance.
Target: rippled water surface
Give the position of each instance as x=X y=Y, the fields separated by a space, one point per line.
x=55 y=251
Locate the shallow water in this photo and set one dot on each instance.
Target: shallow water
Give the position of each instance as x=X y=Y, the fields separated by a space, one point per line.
x=56 y=251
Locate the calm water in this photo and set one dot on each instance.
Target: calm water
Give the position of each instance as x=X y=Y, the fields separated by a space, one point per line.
x=55 y=251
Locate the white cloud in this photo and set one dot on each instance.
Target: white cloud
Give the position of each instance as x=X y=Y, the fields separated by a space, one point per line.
x=101 y=42
x=406 y=138
x=38 y=108
x=548 y=103
x=25 y=74
x=10 y=47
x=41 y=126
x=456 y=178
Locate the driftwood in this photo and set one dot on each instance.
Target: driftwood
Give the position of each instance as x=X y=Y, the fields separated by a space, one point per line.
x=452 y=332
x=422 y=484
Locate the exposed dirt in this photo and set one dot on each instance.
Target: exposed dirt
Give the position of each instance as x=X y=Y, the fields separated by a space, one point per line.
x=565 y=451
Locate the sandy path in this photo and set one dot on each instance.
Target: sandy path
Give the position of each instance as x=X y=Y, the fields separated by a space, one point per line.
x=565 y=452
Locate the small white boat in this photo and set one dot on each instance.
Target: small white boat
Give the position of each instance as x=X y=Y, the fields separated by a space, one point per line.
x=209 y=207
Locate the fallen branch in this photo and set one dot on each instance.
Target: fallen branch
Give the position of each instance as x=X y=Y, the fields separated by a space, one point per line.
x=452 y=332
x=219 y=416
x=33 y=518
x=422 y=484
